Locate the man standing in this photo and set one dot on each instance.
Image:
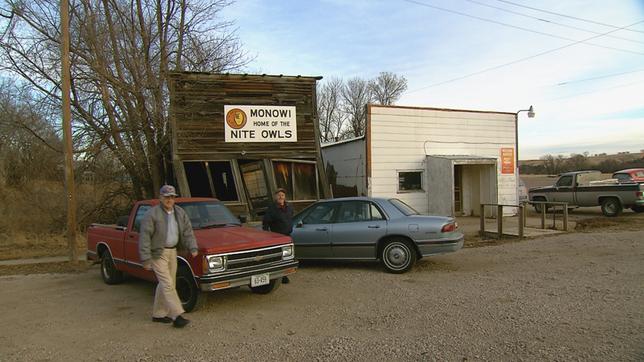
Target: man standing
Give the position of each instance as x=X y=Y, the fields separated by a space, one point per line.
x=165 y=228
x=279 y=218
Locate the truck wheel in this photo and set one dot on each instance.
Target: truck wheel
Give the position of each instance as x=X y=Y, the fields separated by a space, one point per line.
x=398 y=256
x=265 y=289
x=110 y=274
x=187 y=289
x=537 y=207
x=611 y=207
x=638 y=209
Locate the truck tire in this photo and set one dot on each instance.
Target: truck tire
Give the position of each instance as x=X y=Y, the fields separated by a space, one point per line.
x=109 y=273
x=611 y=207
x=537 y=207
x=268 y=288
x=398 y=256
x=187 y=288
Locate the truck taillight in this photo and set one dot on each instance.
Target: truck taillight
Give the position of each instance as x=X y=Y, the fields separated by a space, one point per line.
x=639 y=195
x=448 y=228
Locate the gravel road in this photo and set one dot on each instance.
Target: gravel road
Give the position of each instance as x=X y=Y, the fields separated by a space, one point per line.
x=567 y=297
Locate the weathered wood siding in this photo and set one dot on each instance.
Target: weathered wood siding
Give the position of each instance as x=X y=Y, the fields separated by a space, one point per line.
x=400 y=137
x=197 y=111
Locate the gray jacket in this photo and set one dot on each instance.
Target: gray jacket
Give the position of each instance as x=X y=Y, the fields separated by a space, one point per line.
x=154 y=228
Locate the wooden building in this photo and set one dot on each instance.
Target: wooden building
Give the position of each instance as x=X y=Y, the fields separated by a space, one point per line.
x=239 y=137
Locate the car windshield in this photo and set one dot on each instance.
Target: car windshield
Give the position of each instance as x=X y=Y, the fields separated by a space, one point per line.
x=209 y=214
x=404 y=208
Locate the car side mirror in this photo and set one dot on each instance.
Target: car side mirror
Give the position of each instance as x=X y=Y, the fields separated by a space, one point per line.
x=243 y=219
x=122 y=221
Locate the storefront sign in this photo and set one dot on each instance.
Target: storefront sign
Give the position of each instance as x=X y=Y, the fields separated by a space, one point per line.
x=260 y=124
x=507 y=160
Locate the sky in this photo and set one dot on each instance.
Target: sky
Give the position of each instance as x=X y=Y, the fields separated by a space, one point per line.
x=579 y=63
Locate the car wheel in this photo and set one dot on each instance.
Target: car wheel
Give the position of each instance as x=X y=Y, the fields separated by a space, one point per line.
x=110 y=274
x=398 y=256
x=187 y=289
x=611 y=207
x=537 y=207
x=638 y=208
x=265 y=289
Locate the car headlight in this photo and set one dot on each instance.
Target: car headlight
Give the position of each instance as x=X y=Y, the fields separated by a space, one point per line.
x=287 y=252
x=216 y=263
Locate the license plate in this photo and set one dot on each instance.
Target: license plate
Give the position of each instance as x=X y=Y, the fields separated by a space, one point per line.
x=259 y=279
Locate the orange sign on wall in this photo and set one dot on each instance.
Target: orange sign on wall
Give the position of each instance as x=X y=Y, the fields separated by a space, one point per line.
x=507 y=160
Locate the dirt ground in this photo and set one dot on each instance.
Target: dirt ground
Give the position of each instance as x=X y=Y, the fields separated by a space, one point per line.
x=568 y=297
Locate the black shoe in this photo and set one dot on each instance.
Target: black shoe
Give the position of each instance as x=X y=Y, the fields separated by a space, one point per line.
x=180 y=322
x=162 y=319
x=285 y=280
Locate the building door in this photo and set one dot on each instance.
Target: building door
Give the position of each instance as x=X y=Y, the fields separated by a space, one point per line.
x=458 y=189
x=255 y=185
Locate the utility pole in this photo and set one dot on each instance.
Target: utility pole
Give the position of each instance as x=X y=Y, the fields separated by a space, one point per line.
x=67 y=130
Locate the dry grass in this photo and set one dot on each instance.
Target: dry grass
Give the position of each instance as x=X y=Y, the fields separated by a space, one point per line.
x=624 y=222
x=45 y=268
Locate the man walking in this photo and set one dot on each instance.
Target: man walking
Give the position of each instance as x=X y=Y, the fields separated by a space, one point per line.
x=279 y=218
x=165 y=228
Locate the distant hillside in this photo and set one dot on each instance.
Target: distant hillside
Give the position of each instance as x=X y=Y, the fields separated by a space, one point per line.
x=550 y=164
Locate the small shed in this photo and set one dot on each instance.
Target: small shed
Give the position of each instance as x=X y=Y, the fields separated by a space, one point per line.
x=439 y=161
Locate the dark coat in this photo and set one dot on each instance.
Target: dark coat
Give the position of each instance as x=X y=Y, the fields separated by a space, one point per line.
x=278 y=220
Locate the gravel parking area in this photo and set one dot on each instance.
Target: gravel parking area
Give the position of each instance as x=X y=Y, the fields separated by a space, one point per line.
x=566 y=297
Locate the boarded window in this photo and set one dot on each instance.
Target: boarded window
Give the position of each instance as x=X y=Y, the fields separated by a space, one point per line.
x=410 y=181
x=299 y=179
x=211 y=179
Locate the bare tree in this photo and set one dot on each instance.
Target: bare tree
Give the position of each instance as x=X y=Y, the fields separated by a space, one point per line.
x=553 y=164
x=121 y=54
x=332 y=117
x=387 y=88
x=356 y=95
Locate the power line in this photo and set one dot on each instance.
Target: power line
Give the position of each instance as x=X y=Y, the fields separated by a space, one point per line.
x=600 y=77
x=595 y=91
x=550 y=21
x=516 y=27
x=522 y=59
x=568 y=16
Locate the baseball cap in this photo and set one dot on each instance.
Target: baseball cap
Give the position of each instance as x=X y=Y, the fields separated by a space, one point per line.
x=167 y=190
x=280 y=190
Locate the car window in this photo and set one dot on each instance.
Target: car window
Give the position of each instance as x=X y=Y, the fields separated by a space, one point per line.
x=140 y=212
x=354 y=211
x=320 y=214
x=404 y=208
x=639 y=174
x=622 y=176
x=375 y=213
x=565 y=181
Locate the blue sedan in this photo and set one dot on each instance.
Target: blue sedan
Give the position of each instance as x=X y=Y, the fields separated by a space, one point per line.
x=365 y=228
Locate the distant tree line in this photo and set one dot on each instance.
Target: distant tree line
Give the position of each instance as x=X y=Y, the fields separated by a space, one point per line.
x=552 y=165
x=342 y=104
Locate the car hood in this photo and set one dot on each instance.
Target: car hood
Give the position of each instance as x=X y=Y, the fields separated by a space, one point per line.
x=236 y=238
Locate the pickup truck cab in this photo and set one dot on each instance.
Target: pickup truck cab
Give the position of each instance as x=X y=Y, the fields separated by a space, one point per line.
x=230 y=255
x=586 y=188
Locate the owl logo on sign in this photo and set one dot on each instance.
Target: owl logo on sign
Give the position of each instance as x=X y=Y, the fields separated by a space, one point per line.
x=236 y=118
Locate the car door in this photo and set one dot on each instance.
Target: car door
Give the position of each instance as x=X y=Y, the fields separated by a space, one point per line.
x=311 y=231
x=132 y=257
x=358 y=227
x=564 y=191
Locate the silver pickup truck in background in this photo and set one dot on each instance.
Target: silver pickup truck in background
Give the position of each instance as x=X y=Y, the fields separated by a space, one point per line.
x=586 y=188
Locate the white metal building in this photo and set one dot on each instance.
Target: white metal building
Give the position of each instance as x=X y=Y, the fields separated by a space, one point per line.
x=439 y=161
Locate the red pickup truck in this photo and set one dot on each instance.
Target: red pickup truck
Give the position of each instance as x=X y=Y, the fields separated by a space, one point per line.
x=230 y=255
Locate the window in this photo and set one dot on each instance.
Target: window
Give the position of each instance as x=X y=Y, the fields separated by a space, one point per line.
x=140 y=213
x=299 y=179
x=404 y=208
x=320 y=214
x=622 y=177
x=375 y=213
x=208 y=214
x=211 y=179
x=409 y=181
x=565 y=181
